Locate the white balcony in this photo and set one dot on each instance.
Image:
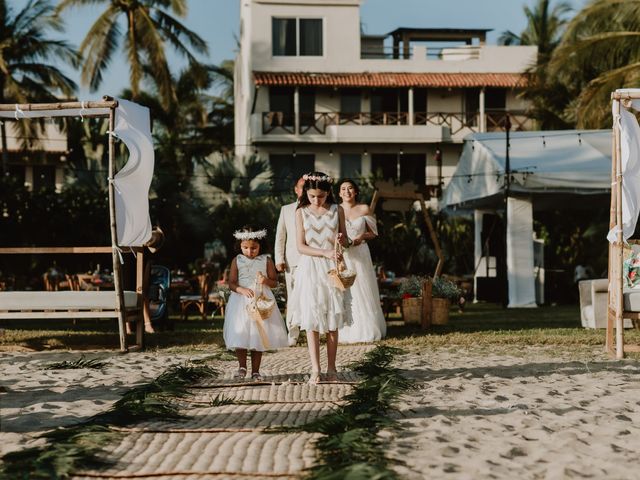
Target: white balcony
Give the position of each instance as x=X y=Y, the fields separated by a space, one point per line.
x=379 y=127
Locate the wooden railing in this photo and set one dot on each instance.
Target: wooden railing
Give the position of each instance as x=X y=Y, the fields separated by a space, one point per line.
x=317 y=122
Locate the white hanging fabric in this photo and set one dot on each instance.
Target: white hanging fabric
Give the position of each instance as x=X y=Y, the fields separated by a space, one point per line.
x=132 y=182
x=630 y=159
x=522 y=289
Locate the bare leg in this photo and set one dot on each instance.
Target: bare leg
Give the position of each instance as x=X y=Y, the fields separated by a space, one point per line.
x=256 y=358
x=332 y=351
x=313 y=341
x=241 y=355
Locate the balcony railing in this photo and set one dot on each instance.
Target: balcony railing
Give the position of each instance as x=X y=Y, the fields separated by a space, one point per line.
x=467 y=52
x=317 y=122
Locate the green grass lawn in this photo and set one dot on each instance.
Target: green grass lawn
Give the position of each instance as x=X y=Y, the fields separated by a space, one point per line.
x=480 y=325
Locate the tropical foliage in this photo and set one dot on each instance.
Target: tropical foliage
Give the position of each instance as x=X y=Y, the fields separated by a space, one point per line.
x=28 y=56
x=150 y=26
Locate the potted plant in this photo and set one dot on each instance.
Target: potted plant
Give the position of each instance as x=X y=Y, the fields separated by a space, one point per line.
x=443 y=292
x=410 y=291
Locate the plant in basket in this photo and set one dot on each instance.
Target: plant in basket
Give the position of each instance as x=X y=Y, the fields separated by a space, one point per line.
x=443 y=292
x=410 y=290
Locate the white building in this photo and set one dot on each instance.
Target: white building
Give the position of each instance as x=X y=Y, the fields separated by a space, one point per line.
x=314 y=93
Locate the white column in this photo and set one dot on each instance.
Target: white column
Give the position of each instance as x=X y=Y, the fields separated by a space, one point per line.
x=296 y=110
x=477 y=249
x=482 y=122
x=410 y=100
x=520 y=275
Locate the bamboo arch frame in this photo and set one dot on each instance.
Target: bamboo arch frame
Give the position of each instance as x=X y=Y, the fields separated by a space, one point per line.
x=615 y=311
x=97 y=109
x=408 y=191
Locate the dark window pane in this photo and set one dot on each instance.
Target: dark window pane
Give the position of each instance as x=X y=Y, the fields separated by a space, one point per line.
x=385 y=165
x=307 y=104
x=350 y=101
x=311 y=36
x=412 y=168
x=44 y=176
x=471 y=106
x=281 y=102
x=350 y=165
x=287 y=169
x=283 y=36
x=495 y=99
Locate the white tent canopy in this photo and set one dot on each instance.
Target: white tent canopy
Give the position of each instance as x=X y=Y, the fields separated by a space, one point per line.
x=544 y=167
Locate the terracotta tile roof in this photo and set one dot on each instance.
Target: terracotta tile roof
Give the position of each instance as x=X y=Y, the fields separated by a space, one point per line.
x=434 y=80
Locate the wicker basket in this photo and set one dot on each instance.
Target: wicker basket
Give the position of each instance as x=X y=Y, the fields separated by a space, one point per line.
x=341 y=277
x=412 y=310
x=440 y=311
x=259 y=309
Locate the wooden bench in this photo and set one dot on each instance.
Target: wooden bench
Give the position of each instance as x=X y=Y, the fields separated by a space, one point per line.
x=65 y=304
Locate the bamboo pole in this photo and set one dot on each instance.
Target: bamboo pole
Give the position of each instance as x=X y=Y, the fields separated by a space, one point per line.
x=611 y=294
x=618 y=253
x=117 y=268
x=36 y=107
x=56 y=250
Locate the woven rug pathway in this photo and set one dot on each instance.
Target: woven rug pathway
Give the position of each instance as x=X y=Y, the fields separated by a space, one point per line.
x=222 y=434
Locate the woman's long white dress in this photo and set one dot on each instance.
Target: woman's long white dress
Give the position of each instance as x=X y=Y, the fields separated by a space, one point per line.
x=316 y=304
x=369 y=324
x=240 y=331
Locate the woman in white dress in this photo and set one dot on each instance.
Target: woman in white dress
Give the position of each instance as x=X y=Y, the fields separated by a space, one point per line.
x=368 y=320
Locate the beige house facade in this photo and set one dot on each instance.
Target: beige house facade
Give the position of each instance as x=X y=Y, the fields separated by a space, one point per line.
x=312 y=92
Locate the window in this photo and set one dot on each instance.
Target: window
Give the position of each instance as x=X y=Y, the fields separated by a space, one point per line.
x=281 y=102
x=350 y=101
x=287 y=169
x=292 y=37
x=350 y=165
x=385 y=165
x=412 y=168
x=307 y=105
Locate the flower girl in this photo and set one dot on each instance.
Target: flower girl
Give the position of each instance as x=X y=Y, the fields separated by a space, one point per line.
x=250 y=274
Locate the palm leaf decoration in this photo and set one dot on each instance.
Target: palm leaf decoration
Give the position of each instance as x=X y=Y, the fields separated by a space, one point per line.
x=76 y=364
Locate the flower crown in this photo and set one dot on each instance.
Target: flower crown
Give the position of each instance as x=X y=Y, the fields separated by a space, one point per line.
x=317 y=178
x=244 y=235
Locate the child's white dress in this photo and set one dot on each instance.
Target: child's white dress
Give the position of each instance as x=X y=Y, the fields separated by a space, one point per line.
x=317 y=305
x=240 y=331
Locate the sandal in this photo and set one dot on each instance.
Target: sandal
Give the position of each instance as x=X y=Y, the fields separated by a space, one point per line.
x=256 y=377
x=332 y=376
x=241 y=373
x=314 y=378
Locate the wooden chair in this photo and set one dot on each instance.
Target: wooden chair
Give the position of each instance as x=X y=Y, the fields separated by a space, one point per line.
x=200 y=301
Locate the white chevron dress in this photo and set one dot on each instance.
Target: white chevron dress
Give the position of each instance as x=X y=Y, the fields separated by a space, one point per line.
x=316 y=304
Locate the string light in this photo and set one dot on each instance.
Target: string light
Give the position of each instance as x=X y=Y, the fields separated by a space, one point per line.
x=365 y=152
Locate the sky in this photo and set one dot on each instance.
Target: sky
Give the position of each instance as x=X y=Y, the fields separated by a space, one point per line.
x=217 y=22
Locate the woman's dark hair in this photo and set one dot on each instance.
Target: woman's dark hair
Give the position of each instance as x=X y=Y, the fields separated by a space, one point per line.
x=249 y=229
x=355 y=186
x=319 y=181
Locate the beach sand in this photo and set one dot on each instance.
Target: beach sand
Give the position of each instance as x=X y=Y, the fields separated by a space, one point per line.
x=541 y=414
x=474 y=413
x=34 y=400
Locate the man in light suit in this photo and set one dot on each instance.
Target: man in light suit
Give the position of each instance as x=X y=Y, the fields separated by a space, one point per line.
x=286 y=251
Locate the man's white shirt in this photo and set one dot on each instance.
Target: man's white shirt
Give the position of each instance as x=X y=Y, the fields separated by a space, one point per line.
x=286 y=248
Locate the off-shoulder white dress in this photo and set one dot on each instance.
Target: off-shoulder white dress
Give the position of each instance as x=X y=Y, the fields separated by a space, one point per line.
x=368 y=324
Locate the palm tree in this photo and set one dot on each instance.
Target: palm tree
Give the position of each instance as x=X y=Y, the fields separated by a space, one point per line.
x=27 y=71
x=545 y=26
x=600 y=52
x=149 y=26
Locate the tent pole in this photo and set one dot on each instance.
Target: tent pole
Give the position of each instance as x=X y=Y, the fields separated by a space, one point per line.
x=619 y=241
x=117 y=267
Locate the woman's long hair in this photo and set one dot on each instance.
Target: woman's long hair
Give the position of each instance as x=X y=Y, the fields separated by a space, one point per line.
x=316 y=181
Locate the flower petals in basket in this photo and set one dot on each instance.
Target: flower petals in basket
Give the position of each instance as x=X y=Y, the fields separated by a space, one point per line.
x=341 y=277
x=259 y=309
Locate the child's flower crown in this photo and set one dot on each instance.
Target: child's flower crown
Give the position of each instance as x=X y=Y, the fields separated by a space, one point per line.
x=244 y=235
x=317 y=178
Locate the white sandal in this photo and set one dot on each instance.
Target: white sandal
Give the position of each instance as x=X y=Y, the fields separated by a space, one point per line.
x=241 y=373
x=314 y=378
